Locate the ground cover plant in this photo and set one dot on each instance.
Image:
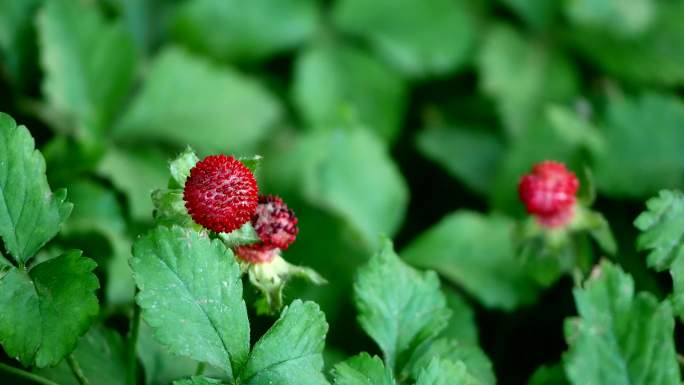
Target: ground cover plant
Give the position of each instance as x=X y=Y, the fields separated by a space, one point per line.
x=344 y=192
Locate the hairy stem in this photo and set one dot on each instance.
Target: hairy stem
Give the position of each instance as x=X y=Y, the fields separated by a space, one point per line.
x=76 y=370
x=26 y=375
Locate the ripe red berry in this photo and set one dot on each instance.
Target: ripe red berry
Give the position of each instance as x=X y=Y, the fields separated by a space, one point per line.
x=220 y=193
x=549 y=193
x=274 y=222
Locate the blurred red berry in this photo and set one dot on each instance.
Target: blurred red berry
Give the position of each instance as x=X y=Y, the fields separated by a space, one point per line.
x=274 y=222
x=549 y=193
x=220 y=193
x=256 y=253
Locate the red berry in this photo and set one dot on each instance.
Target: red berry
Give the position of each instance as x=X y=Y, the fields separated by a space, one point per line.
x=549 y=193
x=256 y=253
x=221 y=194
x=274 y=222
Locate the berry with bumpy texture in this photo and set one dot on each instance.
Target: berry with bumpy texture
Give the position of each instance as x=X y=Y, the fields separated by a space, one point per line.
x=220 y=193
x=549 y=193
x=274 y=222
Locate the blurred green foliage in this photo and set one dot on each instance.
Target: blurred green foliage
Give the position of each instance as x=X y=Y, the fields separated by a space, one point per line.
x=408 y=118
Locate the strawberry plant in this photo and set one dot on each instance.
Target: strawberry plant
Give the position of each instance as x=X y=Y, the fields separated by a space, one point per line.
x=341 y=192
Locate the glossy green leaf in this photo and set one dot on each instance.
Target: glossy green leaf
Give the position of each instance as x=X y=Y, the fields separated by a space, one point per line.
x=46 y=309
x=30 y=213
x=89 y=64
x=187 y=100
x=191 y=295
x=402 y=312
x=442 y=372
x=476 y=252
x=420 y=38
x=245 y=30
x=619 y=338
x=335 y=84
x=362 y=370
x=290 y=353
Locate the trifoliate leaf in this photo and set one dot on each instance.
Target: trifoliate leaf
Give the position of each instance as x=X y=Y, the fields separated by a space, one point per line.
x=662 y=227
x=619 y=338
x=198 y=381
x=362 y=370
x=523 y=76
x=191 y=295
x=188 y=100
x=443 y=372
x=30 y=213
x=470 y=155
x=89 y=64
x=478 y=364
x=239 y=30
x=420 y=38
x=290 y=353
x=335 y=84
x=402 y=312
x=46 y=309
x=101 y=354
x=476 y=252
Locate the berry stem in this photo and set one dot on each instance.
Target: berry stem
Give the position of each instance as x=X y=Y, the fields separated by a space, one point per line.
x=76 y=370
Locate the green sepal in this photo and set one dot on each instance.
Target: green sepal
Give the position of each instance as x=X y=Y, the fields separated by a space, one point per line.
x=181 y=166
x=251 y=162
x=245 y=235
x=169 y=209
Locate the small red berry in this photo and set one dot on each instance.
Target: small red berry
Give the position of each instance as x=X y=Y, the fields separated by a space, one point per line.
x=274 y=222
x=256 y=253
x=549 y=193
x=220 y=193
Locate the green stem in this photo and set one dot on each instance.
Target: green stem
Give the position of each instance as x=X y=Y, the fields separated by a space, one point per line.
x=200 y=368
x=131 y=376
x=26 y=375
x=76 y=370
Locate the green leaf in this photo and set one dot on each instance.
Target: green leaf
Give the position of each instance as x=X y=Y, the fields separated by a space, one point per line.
x=46 y=309
x=136 y=172
x=30 y=214
x=336 y=83
x=198 y=381
x=187 y=100
x=169 y=208
x=100 y=353
x=470 y=155
x=245 y=30
x=442 y=372
x=89 y=64
x=537 y=13
x=662 y=235
x=546 y=375
x=619 y=338
x=420 y=38
x=523 y=76
x=290 y=353
x=402 y=312
x=362 y=370
x=619 y=18
x=191 y=295
x=652 y=56
x=181 y=166
x=16 y=38
x=478 y=364
x=462 y=326
x=644 y=135
x=476 y=252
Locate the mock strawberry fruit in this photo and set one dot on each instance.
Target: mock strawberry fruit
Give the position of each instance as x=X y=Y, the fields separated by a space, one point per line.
x=256 y=253
x=220 y=193
x=274 y=222
x=549 y=193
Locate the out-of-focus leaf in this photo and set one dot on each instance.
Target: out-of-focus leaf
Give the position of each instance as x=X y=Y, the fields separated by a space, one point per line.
x=46 y=309
x=461 y=326
x=160 y=366
x=643 y=155
x=476 y=252
x=470 y=155
x=30 y=213
x=402 y=312
x=16 y=35
x=619 y=338
x=136 y=172
x=618 y=17
x=549 y=375
x=654 y=56
x=420 y=38
x=290 y=353
x=245 y=30
x=191 y=295
x=363 y=370
x=662 y=227
x=537 y=13
x=89 y=64
x=443 y=372
x=523 y=76
x=187 y=100
x=335 y=84
x=100 y=353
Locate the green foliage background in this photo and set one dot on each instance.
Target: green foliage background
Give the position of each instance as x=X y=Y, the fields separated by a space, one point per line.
x=408 y=118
